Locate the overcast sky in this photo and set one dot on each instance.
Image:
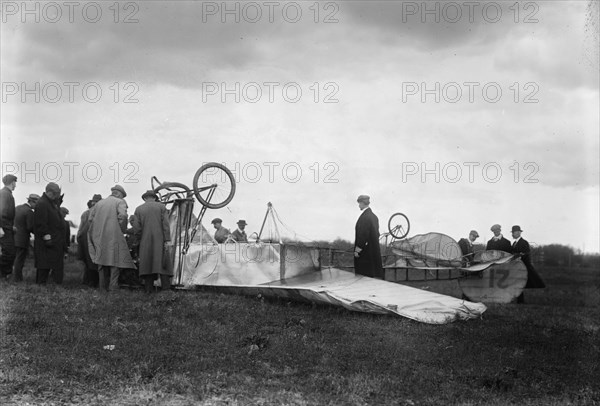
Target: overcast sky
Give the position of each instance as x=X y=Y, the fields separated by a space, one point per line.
x=459 y=116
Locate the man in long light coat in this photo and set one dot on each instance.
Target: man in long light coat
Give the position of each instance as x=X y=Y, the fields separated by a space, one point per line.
x=151 y=227
x=107 y=245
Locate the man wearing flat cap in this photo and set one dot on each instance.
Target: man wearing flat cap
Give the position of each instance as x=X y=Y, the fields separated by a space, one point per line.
x=90 y=272
x=498 y=242
x=222 y=233
x=7 y=222
x=49 y=230
x=367 y=253
x=521 y=247
x=239 y=234
x=151 y=229
x=108 y=248
x=24 y=225
x=466 y=246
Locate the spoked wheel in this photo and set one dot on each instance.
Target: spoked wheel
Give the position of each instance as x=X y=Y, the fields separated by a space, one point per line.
x=214 y=185
x=170 y=191
x=399 y=225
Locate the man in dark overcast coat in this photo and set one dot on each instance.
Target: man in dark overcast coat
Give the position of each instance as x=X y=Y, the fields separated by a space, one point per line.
x=367 y=253
x=498 y=242
x=24 y=225
x=7 y=220
x=521 y=247
x=151 y=227
x=49 y=230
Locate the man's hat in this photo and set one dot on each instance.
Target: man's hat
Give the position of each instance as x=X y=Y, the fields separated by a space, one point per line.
x=496 y=227
x=516 y=228
x=33 y=198
x=52 y=187
x=475 y=233
x=216 y=220
x=96 y=198
x=242 y=223
x=149 y=193
x=363 y=198
x=120 y=189
x=8 y=179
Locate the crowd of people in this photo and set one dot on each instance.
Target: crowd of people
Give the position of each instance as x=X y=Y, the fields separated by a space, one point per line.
x=101 y=238
x=367 y=252
x=109 y=250
x=108 y=247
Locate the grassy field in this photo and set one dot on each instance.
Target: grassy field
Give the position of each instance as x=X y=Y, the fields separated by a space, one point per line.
x=72 y=345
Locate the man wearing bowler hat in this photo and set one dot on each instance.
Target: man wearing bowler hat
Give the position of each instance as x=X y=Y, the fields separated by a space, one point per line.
x=498 y=242
x=108 y=248
x=151 y=228
x=367 y=253
x=466 y=246
x=521 y=247
x=222 y=233
x=24 y=224
x=239 y=234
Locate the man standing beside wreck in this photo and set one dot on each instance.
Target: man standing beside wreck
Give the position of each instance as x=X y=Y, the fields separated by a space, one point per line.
x=367 y=253
x=107 y=245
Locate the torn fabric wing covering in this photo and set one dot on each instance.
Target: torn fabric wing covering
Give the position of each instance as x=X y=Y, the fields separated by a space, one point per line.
x=293 y=271
x=429 y=250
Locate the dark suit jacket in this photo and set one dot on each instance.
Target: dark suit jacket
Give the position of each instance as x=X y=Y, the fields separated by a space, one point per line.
x=239 y=237
x=24 y=224
x=48 y=220
x=369 y=261
x=7 y=208
x=467 y=250
x=501 y=245
x=534 y=280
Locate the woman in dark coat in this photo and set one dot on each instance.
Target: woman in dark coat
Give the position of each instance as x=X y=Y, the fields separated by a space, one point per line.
x=49 y=230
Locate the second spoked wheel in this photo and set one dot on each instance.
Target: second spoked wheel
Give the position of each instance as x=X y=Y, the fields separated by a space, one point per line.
x=214 y=185
x=398 y=225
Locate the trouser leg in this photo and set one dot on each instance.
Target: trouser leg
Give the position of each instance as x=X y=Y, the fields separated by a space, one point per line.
x=58 y=274
x=94 y=275
x=21 y=255
x=103 y=277
x=7 y=258
x=114 y=279
x=41 y=276
x=165 y=282
x=148 y=283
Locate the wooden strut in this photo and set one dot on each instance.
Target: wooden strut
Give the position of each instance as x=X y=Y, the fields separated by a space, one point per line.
x=198 y=220
x=269 y=210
